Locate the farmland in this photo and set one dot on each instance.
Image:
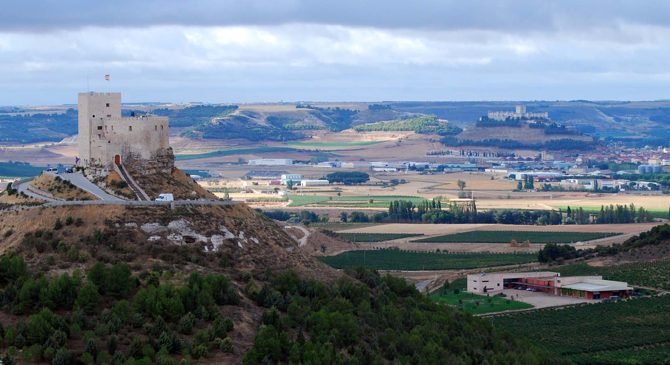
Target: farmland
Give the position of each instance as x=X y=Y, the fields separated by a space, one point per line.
x=454 y=295
x=508 y=236
x=333 y=144
x=373 y=201
x=376 y=237
x=393 y=259
x=654 y=274
x=232 y=152
x=607 y=332
x=655 y=212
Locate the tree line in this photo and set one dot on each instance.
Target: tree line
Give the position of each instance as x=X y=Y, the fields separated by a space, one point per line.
x=433 y=211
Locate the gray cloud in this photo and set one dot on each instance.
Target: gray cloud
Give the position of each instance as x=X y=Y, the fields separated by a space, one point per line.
x=501 y=15
x=253 y=50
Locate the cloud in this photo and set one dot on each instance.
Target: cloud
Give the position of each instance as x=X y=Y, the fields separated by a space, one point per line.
x=257 y=50
x=516 y=16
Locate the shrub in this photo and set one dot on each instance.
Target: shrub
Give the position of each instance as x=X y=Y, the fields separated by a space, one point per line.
x=200 y=351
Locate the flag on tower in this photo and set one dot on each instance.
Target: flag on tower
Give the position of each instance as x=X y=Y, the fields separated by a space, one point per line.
x=106 y=77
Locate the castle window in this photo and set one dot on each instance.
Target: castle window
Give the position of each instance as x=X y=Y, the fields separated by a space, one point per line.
x=99 y=127
x=93 y=116
x=161 y=127
x=107 y=105
x=109 y=115
x=155 y=127
x=130 y=128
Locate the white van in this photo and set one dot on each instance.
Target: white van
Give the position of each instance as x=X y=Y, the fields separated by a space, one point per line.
x=165 y=197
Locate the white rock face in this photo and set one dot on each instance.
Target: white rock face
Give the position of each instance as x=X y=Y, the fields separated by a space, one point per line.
x=153 y=228
x=217 y=241
x=226 y=233
x=180 y=232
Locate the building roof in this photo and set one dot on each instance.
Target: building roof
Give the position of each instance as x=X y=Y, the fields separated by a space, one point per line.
x=593 y=285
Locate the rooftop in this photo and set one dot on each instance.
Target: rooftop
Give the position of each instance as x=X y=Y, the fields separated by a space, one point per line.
x=594 y=285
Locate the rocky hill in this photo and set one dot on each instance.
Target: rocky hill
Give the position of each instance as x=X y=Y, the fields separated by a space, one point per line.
x=210 y=285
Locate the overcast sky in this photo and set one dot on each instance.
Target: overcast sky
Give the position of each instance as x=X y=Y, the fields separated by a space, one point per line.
x=343 y=50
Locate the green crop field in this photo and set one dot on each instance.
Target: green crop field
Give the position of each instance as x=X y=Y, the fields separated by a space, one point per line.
x=363 y=201
x=519 y=236
x=393 y=259
x=648 y=356
x=605 y=333
x=652 y=274
x=454 y=295
x=376 y=237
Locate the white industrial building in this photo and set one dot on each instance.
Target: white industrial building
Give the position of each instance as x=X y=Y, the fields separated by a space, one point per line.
x=271 y=161
x=285 y=178
x=305 y=183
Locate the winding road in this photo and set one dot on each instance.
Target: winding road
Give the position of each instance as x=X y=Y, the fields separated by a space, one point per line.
x=105 y=198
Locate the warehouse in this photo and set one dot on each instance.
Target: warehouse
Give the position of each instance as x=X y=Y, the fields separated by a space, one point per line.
x=587 y=287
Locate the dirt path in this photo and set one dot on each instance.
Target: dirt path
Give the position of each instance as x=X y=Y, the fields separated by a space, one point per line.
x=302 y=241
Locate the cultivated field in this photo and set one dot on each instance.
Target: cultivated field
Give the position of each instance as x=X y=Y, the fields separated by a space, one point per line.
x=370 y=201
x=519 y=236
x=625 y=332
x=442 y=229
x=655 y=274
x=408 y=260
x=376 y=237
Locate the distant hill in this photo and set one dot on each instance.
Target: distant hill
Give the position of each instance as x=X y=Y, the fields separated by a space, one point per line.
x=636 y=123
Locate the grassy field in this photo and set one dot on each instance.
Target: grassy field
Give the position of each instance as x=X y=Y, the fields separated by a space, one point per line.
x=235 y=151
x=519 y=236
x=393 y=259
x=362 y=201
x=454 y=294
x=606 y=333
x=652 y=274
x=376 y=237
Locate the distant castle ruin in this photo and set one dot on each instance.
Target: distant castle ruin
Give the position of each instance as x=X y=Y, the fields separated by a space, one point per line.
x=106 y=138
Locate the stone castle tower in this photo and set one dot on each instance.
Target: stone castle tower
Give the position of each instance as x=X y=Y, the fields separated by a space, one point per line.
x=105 y=137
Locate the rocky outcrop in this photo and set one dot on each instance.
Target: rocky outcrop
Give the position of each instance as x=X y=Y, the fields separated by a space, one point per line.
x=161 y=162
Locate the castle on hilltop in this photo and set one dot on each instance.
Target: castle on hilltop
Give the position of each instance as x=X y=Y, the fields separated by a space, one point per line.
x=518 y=113
x=107 y=138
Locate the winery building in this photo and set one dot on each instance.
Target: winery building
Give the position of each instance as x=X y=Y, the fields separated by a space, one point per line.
x=588 y=287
